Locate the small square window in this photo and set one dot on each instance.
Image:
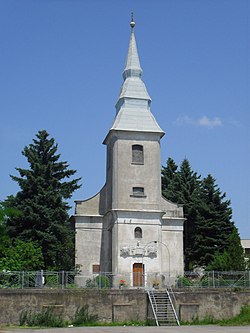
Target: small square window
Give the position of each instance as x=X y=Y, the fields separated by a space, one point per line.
x=138 y=190
x=96 y=268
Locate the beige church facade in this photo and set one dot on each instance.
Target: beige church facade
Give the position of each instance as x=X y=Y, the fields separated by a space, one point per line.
x=128 y=229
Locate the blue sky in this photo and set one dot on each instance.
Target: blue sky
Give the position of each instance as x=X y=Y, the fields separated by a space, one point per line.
x=61 y=70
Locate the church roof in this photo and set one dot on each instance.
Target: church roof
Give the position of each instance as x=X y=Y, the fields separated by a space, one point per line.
x=133 y=105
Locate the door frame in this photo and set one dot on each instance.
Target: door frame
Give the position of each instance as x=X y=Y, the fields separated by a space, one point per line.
x=138 y=275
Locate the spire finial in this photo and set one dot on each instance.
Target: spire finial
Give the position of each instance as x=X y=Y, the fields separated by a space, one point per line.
x=132 y=23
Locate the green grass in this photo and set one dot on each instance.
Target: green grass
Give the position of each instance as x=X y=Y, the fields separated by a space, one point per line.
x=47 y=318
x=242 y=319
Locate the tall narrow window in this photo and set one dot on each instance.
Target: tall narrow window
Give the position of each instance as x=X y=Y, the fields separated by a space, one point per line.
x=137 y=154
x=138 y=232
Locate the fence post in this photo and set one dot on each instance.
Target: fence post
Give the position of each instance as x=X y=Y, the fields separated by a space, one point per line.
x=22 y=279
x=62 y=279
x=213 y=280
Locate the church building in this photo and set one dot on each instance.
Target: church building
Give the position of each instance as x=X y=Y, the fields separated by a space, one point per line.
x=128 y=229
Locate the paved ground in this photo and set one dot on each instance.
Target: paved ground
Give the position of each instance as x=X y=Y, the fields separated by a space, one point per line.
x=131 y=329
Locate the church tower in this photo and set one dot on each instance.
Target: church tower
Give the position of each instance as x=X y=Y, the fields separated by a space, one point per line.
x=128 y=228
x=133 y=143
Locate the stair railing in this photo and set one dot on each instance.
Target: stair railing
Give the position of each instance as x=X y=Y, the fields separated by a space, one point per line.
x=152 y=306
x=172 y=305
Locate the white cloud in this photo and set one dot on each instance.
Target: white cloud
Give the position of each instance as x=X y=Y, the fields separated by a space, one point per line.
x=184 y=120
x=203 y=121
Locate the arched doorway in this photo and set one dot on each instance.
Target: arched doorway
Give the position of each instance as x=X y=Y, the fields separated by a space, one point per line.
x=138 y=275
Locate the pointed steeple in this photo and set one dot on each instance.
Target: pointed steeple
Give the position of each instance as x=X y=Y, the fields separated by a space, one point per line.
x=133 y=105
x=133 y=86
x=133 y=67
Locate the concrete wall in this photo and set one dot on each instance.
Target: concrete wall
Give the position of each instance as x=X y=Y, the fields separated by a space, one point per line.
x=88 y=236
x=120 y=305
x=110 y=306
x=215 y=303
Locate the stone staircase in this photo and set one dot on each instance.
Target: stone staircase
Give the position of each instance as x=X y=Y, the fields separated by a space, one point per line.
x=163 y=308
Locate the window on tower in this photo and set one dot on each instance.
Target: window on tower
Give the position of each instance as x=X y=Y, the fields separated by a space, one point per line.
x=137 y=154
x=138 y=232
x=138 y=191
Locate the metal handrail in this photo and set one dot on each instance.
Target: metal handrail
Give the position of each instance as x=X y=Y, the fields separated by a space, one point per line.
x=152 y=306
x=175 y=314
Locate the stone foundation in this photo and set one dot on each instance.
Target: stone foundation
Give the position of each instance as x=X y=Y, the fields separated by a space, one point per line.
x=119 y=305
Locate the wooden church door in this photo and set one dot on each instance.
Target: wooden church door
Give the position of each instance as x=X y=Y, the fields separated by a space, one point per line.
x=138 y=275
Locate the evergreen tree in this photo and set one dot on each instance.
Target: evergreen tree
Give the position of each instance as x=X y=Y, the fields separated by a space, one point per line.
x=189 y=194
x=183 y=187
x=214 y=226
x=41 y=201
x=210 y=237
x=235 y=252
x=232 y=259
x=168 y=180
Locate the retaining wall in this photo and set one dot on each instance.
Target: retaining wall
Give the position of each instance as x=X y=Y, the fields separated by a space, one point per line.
x=119 y=305
x=216 y=303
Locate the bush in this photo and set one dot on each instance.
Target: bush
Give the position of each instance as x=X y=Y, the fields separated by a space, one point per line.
x=183 y=281
x=102 y=281
x=243 y=318
x=45 y=318
x=91 y=283
x=82 y=317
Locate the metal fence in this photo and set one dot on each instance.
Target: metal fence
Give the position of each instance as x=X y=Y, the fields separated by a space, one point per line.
x=214 y=279
x=74 y=280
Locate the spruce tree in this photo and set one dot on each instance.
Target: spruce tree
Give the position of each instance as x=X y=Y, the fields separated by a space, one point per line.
x=189 y=194
x=232 y=259
x=183 y=187
x=214 y=226
x=210 y=237
x=168 y=180
x=42 y=202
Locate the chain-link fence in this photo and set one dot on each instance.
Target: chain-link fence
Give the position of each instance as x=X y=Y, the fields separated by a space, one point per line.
x=73 y=280
x=214 y=279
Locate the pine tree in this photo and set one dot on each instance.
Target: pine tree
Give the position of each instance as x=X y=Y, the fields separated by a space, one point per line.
x=236 y=252
x=210 y=237
x=183 y=187
x=41 y=201
x=168 y=180
x=214 y=226
x=232 y=259
x=189 y=194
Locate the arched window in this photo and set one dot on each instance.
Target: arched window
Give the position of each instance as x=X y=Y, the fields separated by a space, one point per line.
x=138 y=232
x=137 y=154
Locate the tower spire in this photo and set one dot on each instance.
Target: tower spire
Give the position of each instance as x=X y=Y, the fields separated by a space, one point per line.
x=133 y=67
x=132 y=23
x=133 y=105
